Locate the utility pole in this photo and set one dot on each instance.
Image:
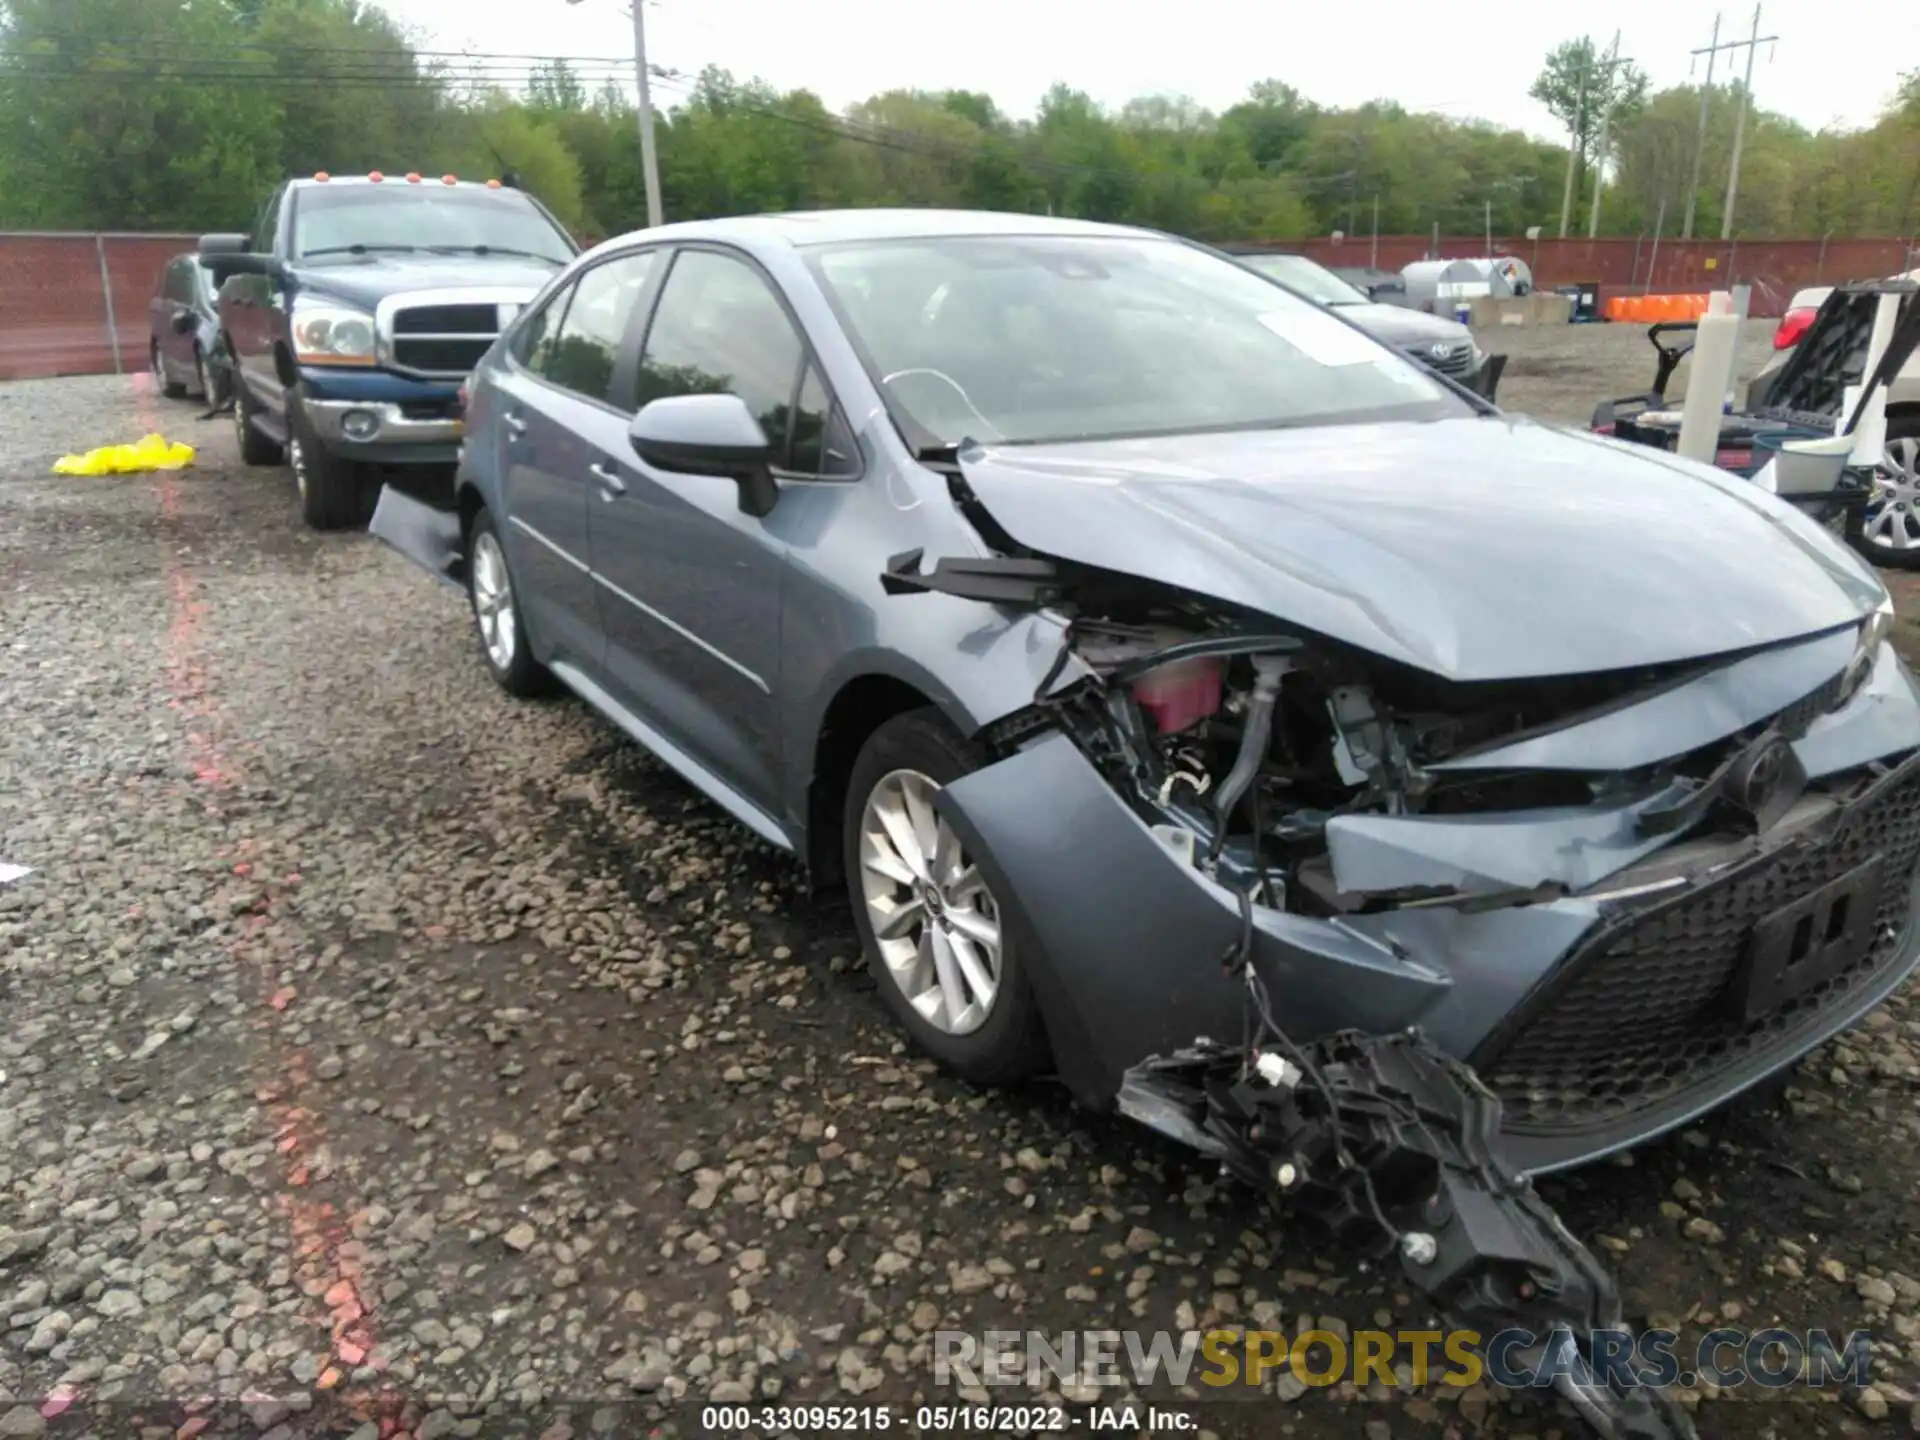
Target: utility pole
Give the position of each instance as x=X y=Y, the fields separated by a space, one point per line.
x=1573 y=153
x=1700 y=134
x=1373 y=260
x=1600 y=148
x=649 y=161
x=1740 y=125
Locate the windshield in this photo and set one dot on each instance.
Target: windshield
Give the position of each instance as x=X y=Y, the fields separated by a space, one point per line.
x=1310 y=278
x=419 y=217
x=1036 y=338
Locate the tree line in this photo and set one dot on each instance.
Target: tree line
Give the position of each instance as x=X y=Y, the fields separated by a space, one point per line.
x=111 y=120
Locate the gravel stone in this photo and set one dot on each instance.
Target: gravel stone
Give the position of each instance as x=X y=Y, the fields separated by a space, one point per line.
x=368 y=1029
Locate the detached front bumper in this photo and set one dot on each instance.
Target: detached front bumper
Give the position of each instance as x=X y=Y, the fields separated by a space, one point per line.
x=379 y=418
x=1598 y=1022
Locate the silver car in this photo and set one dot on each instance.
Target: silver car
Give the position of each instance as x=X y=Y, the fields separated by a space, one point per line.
x=1198 y=700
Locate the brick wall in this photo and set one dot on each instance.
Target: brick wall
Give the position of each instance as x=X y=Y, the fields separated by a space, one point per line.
x=53 y=306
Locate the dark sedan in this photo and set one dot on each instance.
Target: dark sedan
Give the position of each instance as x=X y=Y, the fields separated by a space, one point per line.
x=1444 y=346
x=184 y=350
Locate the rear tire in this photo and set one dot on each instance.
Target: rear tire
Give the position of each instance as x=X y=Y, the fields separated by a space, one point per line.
x=1887 y=532
x=335 y=494
x=929 y=969
x=498 y=621
x=256 y=447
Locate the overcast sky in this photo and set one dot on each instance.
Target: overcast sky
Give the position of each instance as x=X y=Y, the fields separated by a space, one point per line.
x=1836 y=63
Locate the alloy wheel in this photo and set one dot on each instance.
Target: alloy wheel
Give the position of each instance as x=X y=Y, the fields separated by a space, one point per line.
x=1892 y=521
x=297 y=458
x=493 y=601
x=933 y=918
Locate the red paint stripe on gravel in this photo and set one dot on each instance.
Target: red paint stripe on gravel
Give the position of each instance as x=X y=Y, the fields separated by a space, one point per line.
x=329 y=1260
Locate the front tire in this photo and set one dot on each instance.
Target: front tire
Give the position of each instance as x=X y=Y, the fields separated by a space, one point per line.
x=937 y=942
x=335 y=494
x=1887 y=530
x=497 y=617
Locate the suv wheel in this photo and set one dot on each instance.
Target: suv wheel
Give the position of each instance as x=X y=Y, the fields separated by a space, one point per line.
x=496 y=614
x=256 y=447
x=335 y=494
x=937 y=943
x=162 y=380
x=1887 y=530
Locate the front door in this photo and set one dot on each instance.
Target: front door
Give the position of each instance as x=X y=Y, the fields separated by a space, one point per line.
x=557 y=420
x=253 y=301
x=690 y=587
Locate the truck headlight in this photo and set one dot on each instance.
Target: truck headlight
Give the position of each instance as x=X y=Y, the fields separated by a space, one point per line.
x=328 y=334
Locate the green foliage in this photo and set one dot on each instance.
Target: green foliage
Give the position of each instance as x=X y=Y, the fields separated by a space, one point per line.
x=110 y=119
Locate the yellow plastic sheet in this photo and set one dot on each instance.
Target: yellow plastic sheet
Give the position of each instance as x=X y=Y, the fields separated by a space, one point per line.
x=149 y=452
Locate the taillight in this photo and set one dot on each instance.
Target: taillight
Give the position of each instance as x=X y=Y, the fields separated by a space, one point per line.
x=1792 y=326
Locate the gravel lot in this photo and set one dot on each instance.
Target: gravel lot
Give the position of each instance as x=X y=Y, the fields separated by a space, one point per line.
x=371 y=1035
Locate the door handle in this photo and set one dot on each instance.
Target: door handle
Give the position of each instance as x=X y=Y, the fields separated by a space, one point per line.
x=611 y=485
x=515 y=425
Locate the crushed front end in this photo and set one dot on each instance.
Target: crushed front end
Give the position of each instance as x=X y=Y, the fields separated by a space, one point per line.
x=1387 y=943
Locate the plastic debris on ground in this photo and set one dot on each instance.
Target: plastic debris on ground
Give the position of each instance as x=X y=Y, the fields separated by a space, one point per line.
x=149 y=452
x=11 y=873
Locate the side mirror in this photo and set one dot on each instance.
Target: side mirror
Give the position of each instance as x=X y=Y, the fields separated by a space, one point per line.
x=228 y=255
x=184 y=322
x=708 y=435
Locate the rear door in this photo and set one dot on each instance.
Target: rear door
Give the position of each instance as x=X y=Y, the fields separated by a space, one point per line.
x=565 y=368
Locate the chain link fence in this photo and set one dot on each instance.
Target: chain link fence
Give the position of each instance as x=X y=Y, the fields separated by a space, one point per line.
x=74 y=303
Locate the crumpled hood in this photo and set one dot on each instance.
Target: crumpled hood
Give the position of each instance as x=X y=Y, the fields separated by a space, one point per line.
x=1476 y=549
x=368 y=279
x=1401 y=327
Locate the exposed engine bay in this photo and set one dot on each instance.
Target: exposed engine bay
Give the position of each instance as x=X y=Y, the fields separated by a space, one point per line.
x=1238 y=743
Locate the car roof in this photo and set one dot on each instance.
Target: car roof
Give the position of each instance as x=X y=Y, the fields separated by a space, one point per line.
x=803 y=228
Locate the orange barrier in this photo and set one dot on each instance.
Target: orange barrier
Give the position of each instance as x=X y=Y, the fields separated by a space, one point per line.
x=1653 y=309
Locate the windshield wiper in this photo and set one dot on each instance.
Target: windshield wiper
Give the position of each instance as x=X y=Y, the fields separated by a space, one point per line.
x=358 y=248
x=492 y=250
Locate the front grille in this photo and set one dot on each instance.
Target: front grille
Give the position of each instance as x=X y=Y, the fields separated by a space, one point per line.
x=1794 y=720
x=1455 y=361
x=443 y=339
x=448 y=320
x=439 y=356
x=1643 y=1013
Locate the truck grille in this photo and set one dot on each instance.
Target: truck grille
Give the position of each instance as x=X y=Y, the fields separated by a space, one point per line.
x=443 y=339
x=1643 y=1011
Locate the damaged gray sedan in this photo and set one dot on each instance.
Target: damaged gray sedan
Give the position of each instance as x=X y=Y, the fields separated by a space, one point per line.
x=1383 y=794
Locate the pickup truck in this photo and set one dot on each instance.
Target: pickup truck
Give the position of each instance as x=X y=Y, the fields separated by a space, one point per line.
x=355 y=309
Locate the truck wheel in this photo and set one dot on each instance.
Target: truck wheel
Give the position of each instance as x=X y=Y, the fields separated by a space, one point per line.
x=256 y=447
x=335 y=494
